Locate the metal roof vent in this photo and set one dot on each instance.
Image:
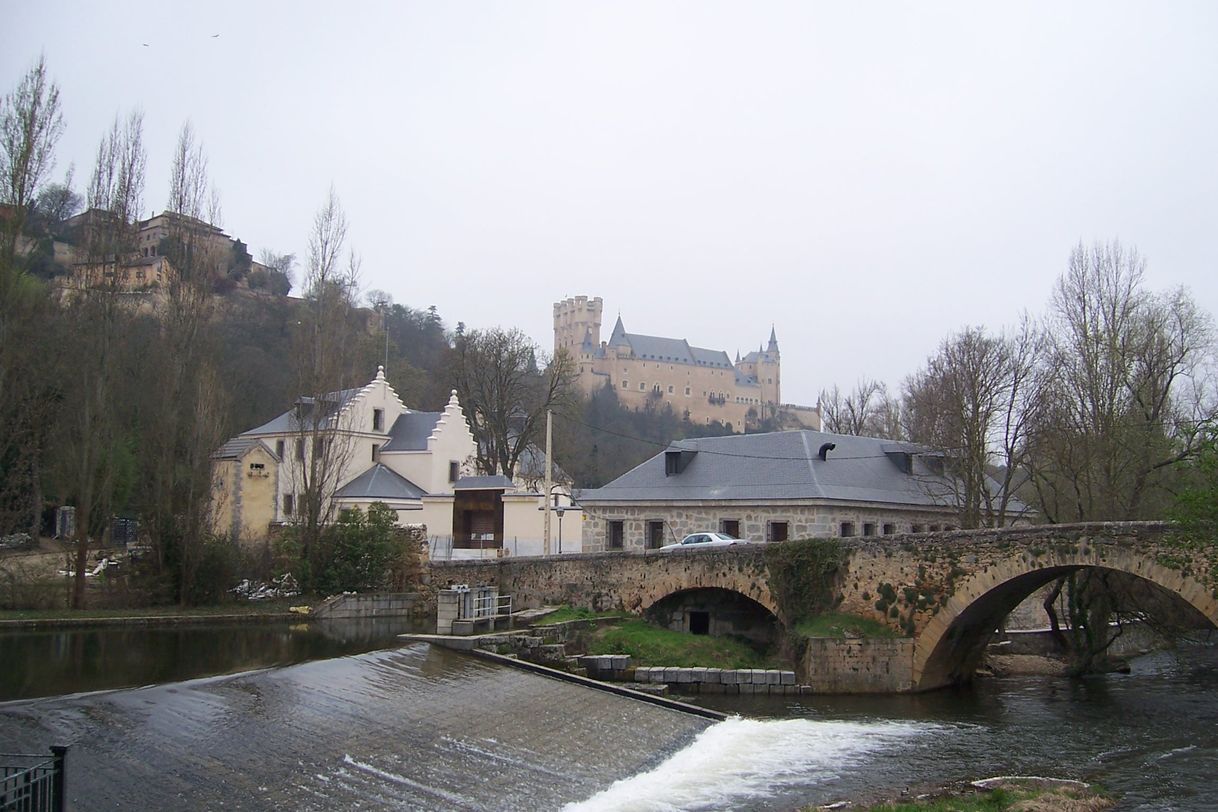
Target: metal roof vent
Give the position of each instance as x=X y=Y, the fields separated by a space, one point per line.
x=825 y=449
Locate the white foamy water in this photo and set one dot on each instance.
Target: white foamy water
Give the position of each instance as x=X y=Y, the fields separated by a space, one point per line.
x=750 y=759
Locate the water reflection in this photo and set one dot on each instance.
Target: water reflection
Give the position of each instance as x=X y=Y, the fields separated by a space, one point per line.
x=75 y=659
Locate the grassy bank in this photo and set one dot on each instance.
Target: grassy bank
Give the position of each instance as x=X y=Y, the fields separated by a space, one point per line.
x=652 y=645
x=566 y=613
x=833 y=624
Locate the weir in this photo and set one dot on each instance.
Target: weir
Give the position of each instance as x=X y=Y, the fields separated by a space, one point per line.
x=410 y=728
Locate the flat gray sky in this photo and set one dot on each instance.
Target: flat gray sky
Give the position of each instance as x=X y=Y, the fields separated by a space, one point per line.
x=868 y=177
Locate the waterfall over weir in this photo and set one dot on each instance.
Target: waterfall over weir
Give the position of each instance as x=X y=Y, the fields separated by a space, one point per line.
x=409 y=728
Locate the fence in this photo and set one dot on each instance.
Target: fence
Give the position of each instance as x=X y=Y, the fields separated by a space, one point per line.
x=441 y=549
x=33 y=783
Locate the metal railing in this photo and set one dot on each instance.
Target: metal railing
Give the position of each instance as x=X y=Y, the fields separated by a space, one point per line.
x=33 y=783
x=491 y=605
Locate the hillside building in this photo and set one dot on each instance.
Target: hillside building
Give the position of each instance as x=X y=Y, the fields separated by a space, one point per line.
x=700 y=384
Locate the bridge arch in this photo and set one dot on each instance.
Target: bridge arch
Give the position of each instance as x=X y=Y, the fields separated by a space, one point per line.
x=950 y=646
x=748 y=582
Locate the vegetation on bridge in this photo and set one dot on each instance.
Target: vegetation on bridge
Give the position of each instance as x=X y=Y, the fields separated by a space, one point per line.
x=652 y=645
x=802 y=576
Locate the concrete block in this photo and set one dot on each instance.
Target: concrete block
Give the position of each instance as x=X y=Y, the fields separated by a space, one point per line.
x=747 y=688
x=642 y=674
x=463 y=627
x=788 y=677
x=773 y=677
x=712 y=688
x=620 y=662
x=698 y=675
x=657 y=674
x=729 y=677
x=731 y=689
x=670 y=674
x=713 y=675
x=685 y=675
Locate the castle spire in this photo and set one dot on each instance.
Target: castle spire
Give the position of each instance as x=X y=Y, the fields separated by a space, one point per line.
x=773 y=340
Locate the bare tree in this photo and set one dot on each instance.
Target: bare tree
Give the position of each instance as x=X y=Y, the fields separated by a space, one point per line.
x=326 y=353
x=30 y=126
x=971 y=401
x=506 y=389
x=1125 y=398
x=98 y=324
x=178 y=441
x=867 y=411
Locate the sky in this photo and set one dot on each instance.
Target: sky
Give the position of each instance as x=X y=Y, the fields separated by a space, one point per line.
x=865 y=177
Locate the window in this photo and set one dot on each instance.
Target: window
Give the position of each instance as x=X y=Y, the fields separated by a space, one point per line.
x=934 y=528
x=289 y=503
x=376 y=452
x=687 y=391
x=730 y=527
x=670 y=390
x=847 y=529
x=454 y=471
x=319 y=447
x=916 y=528
x=868 y=528
x=617 y=534
x=625 y=384
x=279 y=449
x=300 y=450
x=776 y=531
x=655 y=535
x=378 y=419
x=889 y=528
x=642 y=386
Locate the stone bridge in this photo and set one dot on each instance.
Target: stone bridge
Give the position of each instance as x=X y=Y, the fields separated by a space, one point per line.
x=946 y=592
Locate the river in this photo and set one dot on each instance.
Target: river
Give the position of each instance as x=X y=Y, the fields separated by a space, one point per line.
x=421 y=728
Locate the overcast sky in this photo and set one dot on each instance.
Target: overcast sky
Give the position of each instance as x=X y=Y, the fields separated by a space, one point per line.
x=867 y=177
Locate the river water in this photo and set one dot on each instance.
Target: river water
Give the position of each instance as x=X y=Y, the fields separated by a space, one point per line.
x=422 y=728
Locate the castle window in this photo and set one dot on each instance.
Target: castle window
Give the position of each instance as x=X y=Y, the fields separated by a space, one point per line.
x=687 y=391
x=378 y=419
x=642 y=386
x=625 y=384
x=670 y=390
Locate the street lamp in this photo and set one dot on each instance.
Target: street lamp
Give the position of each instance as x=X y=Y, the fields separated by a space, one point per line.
x=560 y=511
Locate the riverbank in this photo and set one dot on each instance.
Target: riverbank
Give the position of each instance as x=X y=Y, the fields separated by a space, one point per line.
x=1013 y=793
x=274 y=610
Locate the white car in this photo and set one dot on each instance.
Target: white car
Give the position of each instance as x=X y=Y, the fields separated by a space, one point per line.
x=698 y=541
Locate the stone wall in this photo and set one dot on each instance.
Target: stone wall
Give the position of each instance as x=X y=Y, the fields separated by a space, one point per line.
x=880 y=666
x=803 y=520
x=382 y=604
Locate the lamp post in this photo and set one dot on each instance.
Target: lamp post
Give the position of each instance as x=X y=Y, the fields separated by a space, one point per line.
x=560 y=511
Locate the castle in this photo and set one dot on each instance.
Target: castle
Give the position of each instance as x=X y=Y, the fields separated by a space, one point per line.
x=700 y=384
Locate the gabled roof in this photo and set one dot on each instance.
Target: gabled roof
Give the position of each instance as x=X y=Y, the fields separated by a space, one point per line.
x=379 y=482
x=784 y=465
x=291 y=421
x=411 y=430
x=238 y=447
x=659 y=348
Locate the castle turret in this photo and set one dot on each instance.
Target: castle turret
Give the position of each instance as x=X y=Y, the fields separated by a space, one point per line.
x=577 y=320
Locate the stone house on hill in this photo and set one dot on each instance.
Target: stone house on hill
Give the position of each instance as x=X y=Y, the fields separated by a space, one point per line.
x=773 y=487
x=420 y=464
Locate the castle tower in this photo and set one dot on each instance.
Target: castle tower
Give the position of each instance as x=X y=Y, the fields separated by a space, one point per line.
x=769 y=371
x=576 y=320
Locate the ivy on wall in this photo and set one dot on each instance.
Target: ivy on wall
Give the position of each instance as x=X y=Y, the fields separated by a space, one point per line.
x=802 y=575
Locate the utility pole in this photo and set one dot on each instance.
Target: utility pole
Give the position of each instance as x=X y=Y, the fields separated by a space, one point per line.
x=549 y=481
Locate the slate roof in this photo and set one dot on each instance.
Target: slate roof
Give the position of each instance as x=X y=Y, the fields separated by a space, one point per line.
x=786 y=465
x=379 y=482
x=288 y=423
x=658 y=348
x=411 y=430
x=238 y=447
